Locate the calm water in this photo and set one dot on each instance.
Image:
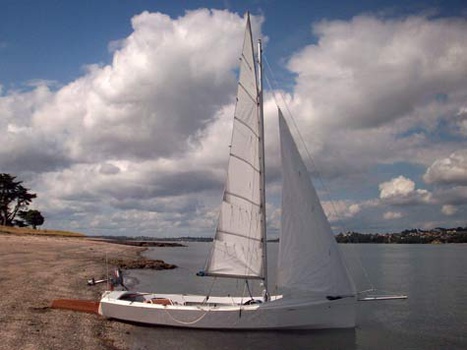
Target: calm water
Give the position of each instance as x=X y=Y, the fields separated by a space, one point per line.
x=434 y=316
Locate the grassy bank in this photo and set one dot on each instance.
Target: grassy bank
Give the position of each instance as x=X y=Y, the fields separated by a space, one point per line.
x=30 y=231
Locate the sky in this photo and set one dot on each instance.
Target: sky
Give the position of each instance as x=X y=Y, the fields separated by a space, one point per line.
x=118 y=113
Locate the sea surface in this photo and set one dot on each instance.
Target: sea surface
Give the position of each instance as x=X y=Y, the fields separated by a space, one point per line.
x=434 y=317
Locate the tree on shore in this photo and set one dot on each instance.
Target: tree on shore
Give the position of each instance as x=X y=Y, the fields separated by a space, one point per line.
x=32 y=218
x=14 y=197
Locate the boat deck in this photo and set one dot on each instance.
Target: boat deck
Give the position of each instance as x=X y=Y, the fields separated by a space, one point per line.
x=190 y=300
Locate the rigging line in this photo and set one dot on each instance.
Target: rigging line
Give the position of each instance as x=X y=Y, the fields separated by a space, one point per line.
x=302 y=141
x=278 y=91
x=187 y=322
x=244 y=292
x=366 y=291
x=388 y=291
x=365 y=273
x=248 y=288
x=210 y=290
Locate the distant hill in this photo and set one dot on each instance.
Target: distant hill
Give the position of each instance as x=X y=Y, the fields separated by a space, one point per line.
x=437 y=235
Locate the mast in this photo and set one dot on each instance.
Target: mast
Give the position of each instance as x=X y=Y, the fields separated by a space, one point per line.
x=262 y=169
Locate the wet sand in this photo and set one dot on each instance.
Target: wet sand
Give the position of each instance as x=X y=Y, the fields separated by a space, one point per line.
x=35 y=270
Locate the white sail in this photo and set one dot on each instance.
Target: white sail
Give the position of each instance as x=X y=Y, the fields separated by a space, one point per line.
x=315 y=289
x=309 y=259
x=238 y=244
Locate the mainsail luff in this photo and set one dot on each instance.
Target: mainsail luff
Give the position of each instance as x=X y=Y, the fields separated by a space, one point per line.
x=262 y=169
x=238 y=246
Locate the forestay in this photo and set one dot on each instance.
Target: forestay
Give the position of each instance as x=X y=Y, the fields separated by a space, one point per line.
x=237 y=248
x=309 y=259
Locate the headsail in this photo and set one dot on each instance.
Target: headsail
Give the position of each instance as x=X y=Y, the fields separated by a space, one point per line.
x=238 y=244
x=309 y=258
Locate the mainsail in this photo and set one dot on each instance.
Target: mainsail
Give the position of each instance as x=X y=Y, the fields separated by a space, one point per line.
x=309 y=259
x=237 y=249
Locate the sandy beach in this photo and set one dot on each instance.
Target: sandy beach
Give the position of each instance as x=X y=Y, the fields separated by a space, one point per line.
x=35 y=270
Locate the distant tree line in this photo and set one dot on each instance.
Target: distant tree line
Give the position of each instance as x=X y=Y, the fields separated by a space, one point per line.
x=437 y=235
x=14 y=202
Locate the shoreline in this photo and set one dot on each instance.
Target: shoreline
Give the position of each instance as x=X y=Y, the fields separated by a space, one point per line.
x=35 y=270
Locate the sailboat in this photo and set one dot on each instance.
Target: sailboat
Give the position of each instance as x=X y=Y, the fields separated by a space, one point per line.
x=314 y=288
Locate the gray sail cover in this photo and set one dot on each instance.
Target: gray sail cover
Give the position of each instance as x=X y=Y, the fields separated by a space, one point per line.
x=237 y=249
x=309 y=261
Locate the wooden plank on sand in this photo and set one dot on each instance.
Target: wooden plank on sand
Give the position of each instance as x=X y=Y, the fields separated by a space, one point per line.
x=76 y=305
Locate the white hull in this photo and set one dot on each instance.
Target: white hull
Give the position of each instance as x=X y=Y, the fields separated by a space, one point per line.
x=192 y=311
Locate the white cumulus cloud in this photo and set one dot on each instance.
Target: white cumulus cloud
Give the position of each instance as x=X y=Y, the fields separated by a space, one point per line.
x=449 y=210
x=391 y=215
x=359 y=67
x=450 y=170
x=145 y=138
x=401 y=190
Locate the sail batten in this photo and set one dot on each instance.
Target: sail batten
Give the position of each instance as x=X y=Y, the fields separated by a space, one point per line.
x=238 y=235
x=246 y=161
x=247 y=126
x=246 y=91
x=238 y=246
x=242 y=198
